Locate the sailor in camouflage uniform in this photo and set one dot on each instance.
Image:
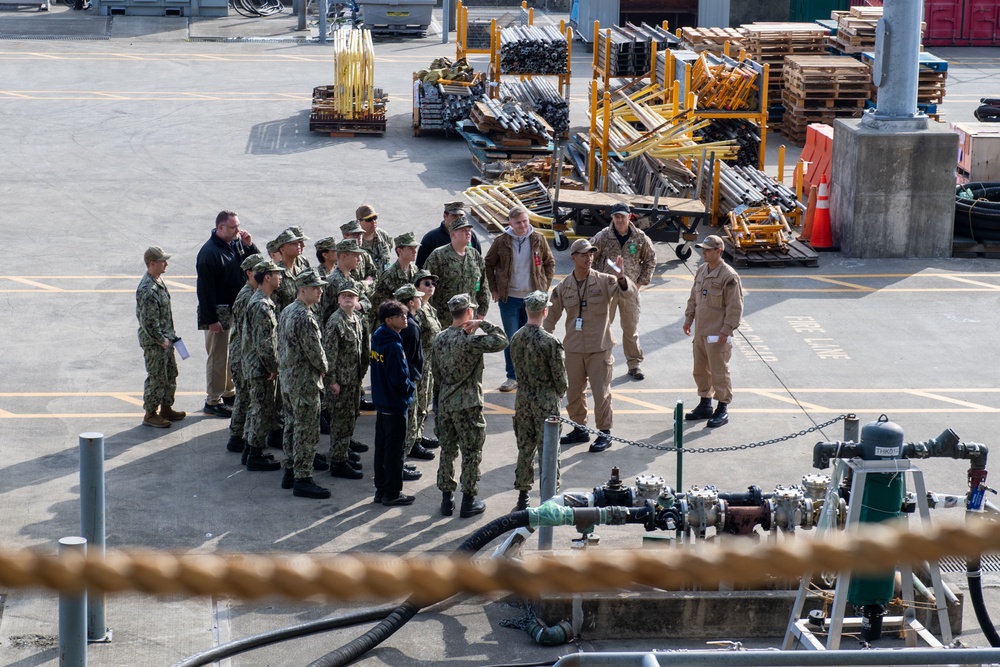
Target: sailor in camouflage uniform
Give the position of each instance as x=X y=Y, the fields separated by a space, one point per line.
x=302 y=365
x=461 y=270
x=365 y=272
x=237 y=422
x=541 y=376
x=430 y=327
x=156 y=337
x=290 y=245
x=376 y=241
x=349 y=254
x=347 y=346
x=326 y=256
x=458 y=370
x=400 y=273
x=260 y=365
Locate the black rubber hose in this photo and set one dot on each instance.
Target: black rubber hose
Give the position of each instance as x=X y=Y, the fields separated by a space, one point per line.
x=979 y=217
x=284 y=634
x=355 y=649
x=974 y=574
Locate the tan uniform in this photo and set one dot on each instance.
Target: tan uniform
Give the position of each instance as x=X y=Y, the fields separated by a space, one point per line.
x=715 y=307
x=588 y=348
x=640 y=262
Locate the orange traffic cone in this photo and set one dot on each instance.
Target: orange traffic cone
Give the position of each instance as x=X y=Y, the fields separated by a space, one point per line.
x=822 y=235
x=807 y=224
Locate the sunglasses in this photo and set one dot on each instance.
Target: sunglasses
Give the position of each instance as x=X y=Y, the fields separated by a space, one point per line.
x=370 y=218
x=428 y=283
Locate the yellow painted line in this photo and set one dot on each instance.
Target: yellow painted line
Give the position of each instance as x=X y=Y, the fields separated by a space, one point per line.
x=785 y=399
x=495 y=409
x=75 y=394
x=181 y=286
x=636 y=401
x=842 y=283
x=947 y=399
x=128 y=399
x=972 y=282
x=32 y=283
x=5 y=415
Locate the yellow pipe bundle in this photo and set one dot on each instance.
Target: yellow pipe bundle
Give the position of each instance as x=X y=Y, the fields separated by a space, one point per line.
x=353 y=73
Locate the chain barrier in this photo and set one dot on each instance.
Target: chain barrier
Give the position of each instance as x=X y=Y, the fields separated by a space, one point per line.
x=708 y=450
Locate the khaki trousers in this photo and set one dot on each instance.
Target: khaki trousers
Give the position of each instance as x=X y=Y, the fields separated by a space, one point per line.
x=628 y=312
x=597 y=367
x=218 y=377
x=711 y=369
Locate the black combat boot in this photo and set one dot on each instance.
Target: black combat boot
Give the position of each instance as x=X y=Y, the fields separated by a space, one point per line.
x=522 y=501
x=320 y=462
x=703 y=411
x=430 y=443
x=345 y=470
x=576 y=435
x=235 y=444
x=288 y=479
x=471 y=506
x=257 y=462
x=358 y=447
x=720 y=417
x=307 y=488
x=246 y=454
x=447 y=503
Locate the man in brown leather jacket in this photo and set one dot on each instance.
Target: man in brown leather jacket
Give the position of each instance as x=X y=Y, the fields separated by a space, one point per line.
x=518 y=263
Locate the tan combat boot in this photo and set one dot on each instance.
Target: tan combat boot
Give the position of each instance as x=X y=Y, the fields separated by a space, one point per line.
x=154 y=420
x=167 y=412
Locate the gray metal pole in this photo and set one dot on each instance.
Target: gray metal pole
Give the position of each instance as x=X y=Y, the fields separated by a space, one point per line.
x=301 y=8
x=324 y=7
x=548 y=473
x=92 y=521
x=445 y=19
x=852 y=429
x=896 y=67
x=73 y=613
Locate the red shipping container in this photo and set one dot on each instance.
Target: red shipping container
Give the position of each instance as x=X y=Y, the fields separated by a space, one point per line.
x=945 y=26
x=980 y=25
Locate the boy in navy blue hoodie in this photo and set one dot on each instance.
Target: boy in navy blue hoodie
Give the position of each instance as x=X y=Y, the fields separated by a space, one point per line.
x=392 y=393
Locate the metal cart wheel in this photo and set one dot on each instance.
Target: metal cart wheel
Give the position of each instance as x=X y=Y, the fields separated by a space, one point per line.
x=560 y=241
x=683 y=251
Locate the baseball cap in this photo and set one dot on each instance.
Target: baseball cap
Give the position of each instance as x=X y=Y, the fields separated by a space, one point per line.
x=620 y=207
x=154 y=253
x=711 y=242
x=309 y=278
x=407 y=292
x=459 y=223
x=459 y=302
x=351 y=227
x=349 y=245
x=364 y=211
x=251 y=261
x=455 y=207
x=536 y=301
x=581 y=246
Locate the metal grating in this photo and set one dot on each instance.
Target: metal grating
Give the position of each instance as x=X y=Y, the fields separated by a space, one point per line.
x=990 y=563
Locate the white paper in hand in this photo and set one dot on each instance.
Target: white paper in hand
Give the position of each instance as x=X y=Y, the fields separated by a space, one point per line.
x=613 y=266
x=181 y=349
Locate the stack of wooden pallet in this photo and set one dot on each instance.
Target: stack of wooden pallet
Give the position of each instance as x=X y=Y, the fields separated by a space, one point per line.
x=713 y=39
x=818 y=89
x=931 y=83
x=856 y=29
x=770 y=43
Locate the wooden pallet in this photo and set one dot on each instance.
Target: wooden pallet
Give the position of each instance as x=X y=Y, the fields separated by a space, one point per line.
x=794 y=102
x=798 y=254
x=713 y=39
x=342 y=127
x=968 y=248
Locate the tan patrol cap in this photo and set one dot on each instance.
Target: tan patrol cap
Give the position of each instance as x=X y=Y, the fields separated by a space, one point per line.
x=711 y=242
x=154 y=254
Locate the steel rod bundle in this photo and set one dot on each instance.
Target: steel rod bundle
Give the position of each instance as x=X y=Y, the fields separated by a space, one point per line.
x=510 y=117
x=745 y=133
x=746 y=185
x=542 y=96
x=533 y=50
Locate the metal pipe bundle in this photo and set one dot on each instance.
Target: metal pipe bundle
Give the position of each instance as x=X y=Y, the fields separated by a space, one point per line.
x=533 y=49
x=752 y=187
x=542 y=96
x=739 y=130
x=514 y=118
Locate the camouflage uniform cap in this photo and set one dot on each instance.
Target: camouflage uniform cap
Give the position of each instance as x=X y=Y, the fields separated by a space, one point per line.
x=272 y=246
x=287 y=236
x=423 y=274
x=154 y=254
x=309 y=278
x=347 y=287
x=251 y=261
x=326 y=243
x=351 y=227
x=536 y=301
x=459 y=302
x=298 y=233
x=455 y=207
x=267 y=266
x=407 y=240
x=407 y=292
x=459 y=223
x=349 y=245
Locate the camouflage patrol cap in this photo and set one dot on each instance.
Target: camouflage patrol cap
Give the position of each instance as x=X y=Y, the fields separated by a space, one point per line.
x=349 y=245
x=347 y=287
x=287 y=236
x=459 y=302
x=423 y=274
x=154 y=254
x=351 y=227
x=309 y=278
x=455 y=207
x=272 y=246
x=536 y=301
x=251 y=261
x=267 y=266
x=298 y=233
x=407 y=292
x=459 y=223
x=326 y=243
x=407 y=240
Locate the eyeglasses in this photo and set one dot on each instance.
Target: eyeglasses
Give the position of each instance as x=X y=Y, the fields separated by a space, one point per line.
x=428 y=283
x=236 y=226
x=370 y=218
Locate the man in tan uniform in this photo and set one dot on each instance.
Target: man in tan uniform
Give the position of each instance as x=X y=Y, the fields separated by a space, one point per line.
x=715 y=306
x=588 y=296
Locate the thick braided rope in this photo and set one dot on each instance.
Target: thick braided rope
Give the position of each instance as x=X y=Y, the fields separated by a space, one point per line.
x=437 y=577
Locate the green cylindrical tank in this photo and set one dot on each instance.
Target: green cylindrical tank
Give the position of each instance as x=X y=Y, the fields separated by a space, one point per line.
x=882 y=501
